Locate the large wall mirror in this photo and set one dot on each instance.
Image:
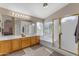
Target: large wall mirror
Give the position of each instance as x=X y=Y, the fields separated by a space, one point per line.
x=8 y=25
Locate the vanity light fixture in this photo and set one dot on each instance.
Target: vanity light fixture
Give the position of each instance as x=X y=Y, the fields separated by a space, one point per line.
x=20 y=15
x=13 y=13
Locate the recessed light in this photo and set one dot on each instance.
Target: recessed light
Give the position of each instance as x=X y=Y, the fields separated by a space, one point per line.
x=45 y=5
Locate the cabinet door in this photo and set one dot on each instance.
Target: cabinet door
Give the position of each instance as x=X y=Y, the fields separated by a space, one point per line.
x=28 y=41
x=33 y=40
x=25 y=42
x=37 y=39
x=5 y=47
x=16 y=44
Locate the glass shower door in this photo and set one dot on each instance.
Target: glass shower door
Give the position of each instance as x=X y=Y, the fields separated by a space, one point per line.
x=56 y=33
x=68 y=26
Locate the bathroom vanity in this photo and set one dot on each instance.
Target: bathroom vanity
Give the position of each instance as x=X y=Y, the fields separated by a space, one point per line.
x=17 y=33
x=9 y=44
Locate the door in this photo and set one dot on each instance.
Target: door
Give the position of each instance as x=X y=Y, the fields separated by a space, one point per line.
x=68 y=26
x=56 y=33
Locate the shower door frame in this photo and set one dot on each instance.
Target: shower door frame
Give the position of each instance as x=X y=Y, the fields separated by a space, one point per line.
x=60 y=34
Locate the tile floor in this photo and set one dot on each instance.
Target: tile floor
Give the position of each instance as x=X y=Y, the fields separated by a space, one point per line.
x=35 y=51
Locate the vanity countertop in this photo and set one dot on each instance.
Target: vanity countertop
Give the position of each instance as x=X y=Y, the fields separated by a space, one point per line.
x=10 y=37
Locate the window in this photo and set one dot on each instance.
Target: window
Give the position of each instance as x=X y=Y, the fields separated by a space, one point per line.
x=39 y=28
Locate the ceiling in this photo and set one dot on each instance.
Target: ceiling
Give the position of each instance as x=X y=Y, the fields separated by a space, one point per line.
x=34 y=9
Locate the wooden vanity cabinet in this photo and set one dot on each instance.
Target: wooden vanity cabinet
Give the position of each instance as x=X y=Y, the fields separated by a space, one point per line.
x=25 y=42
x=16 y=44
x=37 y=39
x=33 y=40
x=5 y=47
